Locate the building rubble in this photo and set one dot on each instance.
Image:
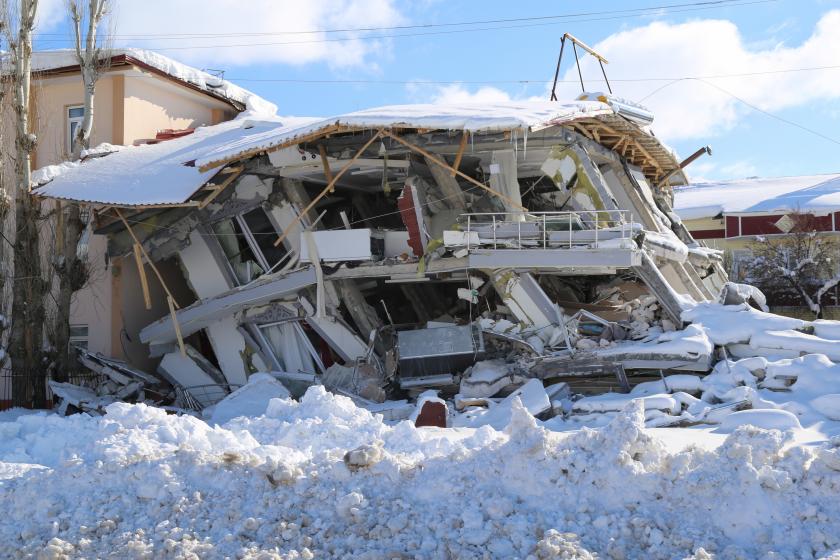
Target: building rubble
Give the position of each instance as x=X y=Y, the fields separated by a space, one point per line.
x=484 y=253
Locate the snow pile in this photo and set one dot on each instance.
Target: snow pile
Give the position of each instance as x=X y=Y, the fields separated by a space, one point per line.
x=805 y=389
x=140 y=483
x=251 y=399
x=45 y=174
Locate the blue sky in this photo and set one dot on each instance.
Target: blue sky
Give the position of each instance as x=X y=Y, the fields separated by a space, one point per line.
x=760 y=37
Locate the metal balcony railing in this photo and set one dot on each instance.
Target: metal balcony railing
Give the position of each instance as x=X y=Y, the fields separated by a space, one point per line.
x=544 y=230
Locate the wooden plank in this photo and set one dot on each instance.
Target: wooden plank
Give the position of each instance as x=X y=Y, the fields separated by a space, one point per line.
x=221 y=187
x=327 y=189
x=436 y=160
x=326 y=163
x=461 y=147
x=144 y=282
x=145 y=254
x=176 y=325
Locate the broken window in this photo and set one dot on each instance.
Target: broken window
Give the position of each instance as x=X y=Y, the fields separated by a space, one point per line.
x=248 y=243
x=290 y=348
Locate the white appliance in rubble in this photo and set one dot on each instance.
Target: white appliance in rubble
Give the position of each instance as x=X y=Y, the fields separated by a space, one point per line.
x=338 y=245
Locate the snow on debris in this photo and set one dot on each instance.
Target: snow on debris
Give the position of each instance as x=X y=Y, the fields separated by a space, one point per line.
x=808 y=193
x=474 y=117
x=254 y=104
x=140 y=483
x=149 y=174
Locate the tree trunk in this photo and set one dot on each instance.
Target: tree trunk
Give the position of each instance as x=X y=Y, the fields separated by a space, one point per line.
x=26 y=338
x=72 y=275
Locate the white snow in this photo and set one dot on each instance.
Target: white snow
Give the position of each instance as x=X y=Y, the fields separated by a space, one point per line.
x=152 y=174
x=139 y=483
x=249 y=400
x=523 y=116
x=807 y=193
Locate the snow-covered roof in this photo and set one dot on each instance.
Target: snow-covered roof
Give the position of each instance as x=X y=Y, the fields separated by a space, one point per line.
x=156 y=174
x=53 y=60
x=808 y=193
x=522 y=116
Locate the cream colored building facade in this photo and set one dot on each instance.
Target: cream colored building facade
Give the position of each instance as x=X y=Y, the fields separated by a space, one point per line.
x=134 y=102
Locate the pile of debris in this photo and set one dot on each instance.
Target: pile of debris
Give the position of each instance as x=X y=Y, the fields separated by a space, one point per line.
x=479 y=252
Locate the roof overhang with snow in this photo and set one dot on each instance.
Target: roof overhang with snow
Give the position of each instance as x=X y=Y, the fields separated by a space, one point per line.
x=49 y=63
x=156 y=175
x=818 y=194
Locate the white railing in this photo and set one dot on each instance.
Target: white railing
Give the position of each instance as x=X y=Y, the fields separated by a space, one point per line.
x=545 y=230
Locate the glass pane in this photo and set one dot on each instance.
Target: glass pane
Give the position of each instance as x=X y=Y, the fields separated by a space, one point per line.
x=265 y=235
x=287 y=345
x=236 y=249
x=76 y=112
x=78 y=331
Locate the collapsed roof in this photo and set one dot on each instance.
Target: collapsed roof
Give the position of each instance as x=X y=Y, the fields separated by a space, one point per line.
x=386 y=251
x=170 y=173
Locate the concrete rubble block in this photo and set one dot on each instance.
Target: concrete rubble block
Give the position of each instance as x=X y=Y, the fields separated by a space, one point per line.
x=532 y=395
x=487 y=378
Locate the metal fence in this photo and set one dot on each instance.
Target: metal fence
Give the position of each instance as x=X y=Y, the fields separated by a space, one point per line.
x=32 y=390
x=545 y=230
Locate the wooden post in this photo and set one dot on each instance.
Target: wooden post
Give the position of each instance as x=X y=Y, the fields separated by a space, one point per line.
x=461 y=147
x=177 y=325
x=434 y=159
x=326 y=163
x=144 y=282
x=327 y=189
x=217 y=189
x=148 y=259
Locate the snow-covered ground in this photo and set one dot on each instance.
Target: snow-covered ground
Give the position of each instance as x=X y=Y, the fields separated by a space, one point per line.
x=138 y=483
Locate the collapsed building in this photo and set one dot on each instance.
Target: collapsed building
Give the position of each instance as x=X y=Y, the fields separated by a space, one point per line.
x=461 y=248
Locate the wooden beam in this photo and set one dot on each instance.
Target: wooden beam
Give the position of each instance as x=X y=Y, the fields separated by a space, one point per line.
x=144 y=282
x=327 y=189
x=176 y=325
x=145 y=254
x=436 y=160
x=326 y=163
x=217 y=189
x=461 y=147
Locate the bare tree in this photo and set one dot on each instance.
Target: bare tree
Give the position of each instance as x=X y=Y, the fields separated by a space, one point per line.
x=801 y=263
x=70 y=269
x=89 y=55
x=29 y=287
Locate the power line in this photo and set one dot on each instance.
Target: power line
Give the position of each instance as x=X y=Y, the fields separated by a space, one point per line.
x=711 y=4
x=752 y=106
x=449 y=32
x=524 y=81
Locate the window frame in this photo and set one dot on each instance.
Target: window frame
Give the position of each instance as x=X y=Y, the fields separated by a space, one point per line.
x=76 y=339
x=69 y=124
x=251 y=241
x=303 y=338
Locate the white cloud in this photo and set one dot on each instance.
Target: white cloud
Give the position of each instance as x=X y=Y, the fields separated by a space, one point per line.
x=691 y=108
x=50 y=14
x=459 y=93
x=179 y=17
